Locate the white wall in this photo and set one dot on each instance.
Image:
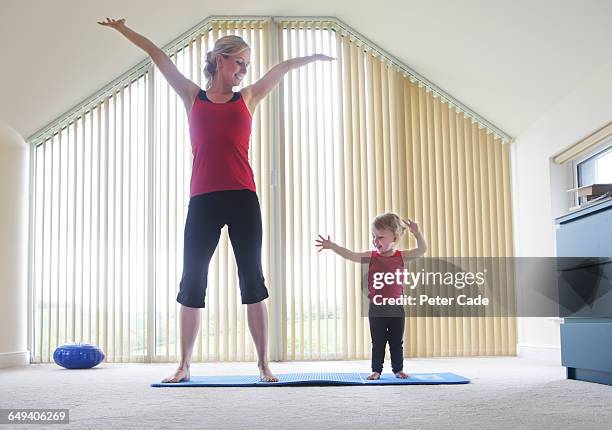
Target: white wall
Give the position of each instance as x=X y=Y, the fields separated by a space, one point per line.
x=539 y=186
x=14 y=166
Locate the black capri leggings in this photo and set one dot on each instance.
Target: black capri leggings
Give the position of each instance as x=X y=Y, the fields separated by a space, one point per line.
x=207 y=214
x=387 y=326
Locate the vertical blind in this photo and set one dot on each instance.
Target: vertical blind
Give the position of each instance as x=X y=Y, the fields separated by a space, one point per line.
x=316 y=311
x=110 y=194
x=357 y=137
x=224 y=331
x=89 y=228
x=361 y=138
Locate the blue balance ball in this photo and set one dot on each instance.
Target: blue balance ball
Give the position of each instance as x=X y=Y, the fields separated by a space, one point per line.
x=78 y=356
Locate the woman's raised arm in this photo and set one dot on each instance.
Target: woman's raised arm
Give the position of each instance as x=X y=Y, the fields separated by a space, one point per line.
x=259 y=90
x=184 y=87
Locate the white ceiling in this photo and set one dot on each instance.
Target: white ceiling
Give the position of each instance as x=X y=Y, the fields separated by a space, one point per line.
x=510 y=61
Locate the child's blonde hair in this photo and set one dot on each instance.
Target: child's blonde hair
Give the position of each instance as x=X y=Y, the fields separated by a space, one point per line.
x=226 y=45
x=390 y=221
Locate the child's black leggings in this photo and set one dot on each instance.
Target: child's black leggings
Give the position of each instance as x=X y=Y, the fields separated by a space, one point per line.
x=383 y=330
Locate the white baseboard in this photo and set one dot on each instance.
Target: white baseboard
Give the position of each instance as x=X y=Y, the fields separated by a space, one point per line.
x=549 y=353
x=14 y=359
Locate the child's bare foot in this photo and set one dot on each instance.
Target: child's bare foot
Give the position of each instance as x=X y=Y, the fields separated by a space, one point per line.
x=265 y=374
x=181 y=375
x=373 y=376
x=402 y=375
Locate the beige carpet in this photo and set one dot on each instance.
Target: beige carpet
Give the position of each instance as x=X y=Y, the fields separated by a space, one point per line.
x=504 y=393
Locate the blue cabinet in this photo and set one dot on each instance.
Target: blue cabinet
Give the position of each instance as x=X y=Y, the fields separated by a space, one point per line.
x=586 y=341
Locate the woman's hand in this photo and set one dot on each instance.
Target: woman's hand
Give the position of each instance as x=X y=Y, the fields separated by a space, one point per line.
x=412 y=226
x=322 y=57
x=324 y=243
x=113 y=23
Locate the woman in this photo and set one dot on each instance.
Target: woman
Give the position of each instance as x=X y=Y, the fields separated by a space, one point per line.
x=222 y=183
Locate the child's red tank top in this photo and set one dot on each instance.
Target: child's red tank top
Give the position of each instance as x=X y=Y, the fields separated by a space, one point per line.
x=220 y=134
x=381 y=264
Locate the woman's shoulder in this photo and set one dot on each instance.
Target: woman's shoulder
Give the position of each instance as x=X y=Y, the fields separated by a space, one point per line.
x=195 y=94
x=246 y=93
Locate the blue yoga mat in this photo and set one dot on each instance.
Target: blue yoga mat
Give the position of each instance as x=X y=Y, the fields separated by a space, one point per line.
x=293 y=379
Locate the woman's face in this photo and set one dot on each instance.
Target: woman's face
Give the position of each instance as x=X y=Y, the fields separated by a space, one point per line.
x=383 y=240
x=233 y=68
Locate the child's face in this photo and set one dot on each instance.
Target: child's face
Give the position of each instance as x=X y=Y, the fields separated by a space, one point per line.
x=383 y=240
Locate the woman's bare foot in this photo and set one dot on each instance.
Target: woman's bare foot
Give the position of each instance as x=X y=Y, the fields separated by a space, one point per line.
x=373 y=376
x=402 y=375
x=265 y=374
x=181 y=375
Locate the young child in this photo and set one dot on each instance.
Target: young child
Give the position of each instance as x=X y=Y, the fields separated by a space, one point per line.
x=387 y=229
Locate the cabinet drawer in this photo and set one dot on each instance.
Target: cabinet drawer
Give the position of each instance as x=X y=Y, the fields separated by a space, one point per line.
x=589 y=236
x=587 y=345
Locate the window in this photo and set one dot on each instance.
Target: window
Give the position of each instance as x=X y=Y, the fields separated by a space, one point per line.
x=337 y=144
x=594 y=168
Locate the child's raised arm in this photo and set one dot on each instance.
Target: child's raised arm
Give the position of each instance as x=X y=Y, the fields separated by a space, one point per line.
x=342 y=252
x=421 y=248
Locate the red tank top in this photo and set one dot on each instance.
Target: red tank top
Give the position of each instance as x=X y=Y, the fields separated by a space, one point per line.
x=220 y=134
x=380 y=264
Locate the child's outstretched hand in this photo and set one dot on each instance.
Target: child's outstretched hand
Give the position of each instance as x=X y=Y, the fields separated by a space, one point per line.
x=412 y=226
x=323 y=243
